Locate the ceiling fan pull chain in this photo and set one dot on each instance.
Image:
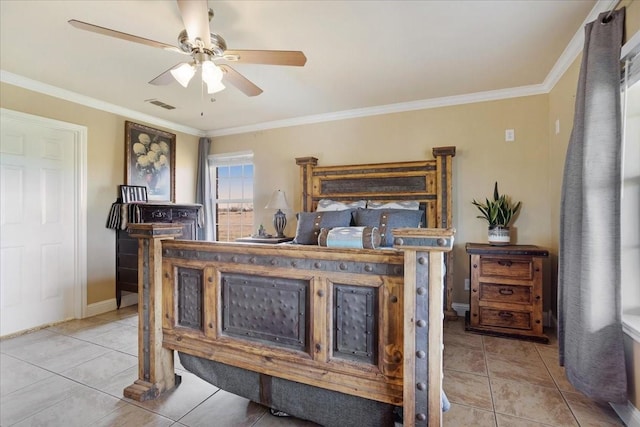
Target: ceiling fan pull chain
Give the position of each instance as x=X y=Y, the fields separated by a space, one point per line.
x=201 y=98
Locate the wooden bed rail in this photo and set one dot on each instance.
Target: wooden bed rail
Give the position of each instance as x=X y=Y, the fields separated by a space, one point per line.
x=406 y=284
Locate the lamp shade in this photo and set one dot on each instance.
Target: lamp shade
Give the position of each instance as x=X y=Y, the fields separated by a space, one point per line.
x=278 y=201
x=212 y=76
x=183 y=73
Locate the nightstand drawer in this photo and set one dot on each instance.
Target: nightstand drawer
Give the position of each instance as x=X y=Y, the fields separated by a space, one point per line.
x=512 y=268
x=506 y=318
x=160 y=214
x=184 y=214
x=505 y=293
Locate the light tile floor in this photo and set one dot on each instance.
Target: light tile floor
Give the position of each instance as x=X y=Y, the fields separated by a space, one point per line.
x=73 y=374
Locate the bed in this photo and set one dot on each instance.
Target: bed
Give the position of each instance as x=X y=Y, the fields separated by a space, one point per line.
x=338 y=336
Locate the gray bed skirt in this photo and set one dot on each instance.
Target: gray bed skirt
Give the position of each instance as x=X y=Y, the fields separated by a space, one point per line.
x=325 y=407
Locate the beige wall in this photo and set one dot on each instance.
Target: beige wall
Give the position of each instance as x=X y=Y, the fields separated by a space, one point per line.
x=105 y=171
x=483 y=156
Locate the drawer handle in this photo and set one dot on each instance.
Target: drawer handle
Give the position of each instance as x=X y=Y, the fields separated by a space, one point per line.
x=506 y=291
x=506 y=263
x=505 y=315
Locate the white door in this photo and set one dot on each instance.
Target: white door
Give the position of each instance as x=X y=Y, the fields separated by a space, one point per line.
x=39 y=281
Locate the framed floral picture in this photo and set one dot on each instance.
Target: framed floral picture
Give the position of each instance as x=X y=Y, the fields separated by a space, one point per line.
x=150 y=156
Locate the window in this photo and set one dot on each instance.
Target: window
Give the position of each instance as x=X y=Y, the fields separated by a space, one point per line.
x=232 y=185
x=630 y=202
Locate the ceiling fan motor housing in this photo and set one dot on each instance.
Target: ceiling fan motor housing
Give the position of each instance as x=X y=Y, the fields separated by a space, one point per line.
x=218 y=45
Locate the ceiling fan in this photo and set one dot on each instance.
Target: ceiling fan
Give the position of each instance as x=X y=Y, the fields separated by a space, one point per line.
x=204 y=47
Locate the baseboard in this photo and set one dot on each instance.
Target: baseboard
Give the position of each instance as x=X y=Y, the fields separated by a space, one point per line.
x=628 y=413
x=110 y=304
x=460 y=308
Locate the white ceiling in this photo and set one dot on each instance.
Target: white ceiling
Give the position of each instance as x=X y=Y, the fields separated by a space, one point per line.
x=361 y=55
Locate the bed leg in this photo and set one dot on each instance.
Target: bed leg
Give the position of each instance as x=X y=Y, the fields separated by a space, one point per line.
x=423 y=310
x=155 y=363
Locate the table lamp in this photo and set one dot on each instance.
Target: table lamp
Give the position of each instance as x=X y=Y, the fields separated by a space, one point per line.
x=278 y=201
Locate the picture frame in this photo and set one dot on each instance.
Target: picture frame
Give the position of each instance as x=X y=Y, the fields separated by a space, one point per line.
x=150 y=160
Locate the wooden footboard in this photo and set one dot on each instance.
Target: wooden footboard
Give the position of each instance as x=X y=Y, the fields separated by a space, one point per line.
x=362 y=322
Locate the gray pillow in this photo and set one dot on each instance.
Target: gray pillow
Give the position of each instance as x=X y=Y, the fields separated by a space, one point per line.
x=387 y=219
x=310 y=223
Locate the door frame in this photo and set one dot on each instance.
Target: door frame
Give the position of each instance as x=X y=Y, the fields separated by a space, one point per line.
x=79 y=200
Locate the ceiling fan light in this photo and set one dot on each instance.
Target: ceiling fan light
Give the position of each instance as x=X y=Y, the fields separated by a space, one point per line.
x=211 y=72
x=183 y=73
x=215 y=87
x=212 y=76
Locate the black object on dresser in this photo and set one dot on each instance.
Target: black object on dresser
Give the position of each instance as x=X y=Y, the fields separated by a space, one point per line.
x=127 y=247
x=506 y=291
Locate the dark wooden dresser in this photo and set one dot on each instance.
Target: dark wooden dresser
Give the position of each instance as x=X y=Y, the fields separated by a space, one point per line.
x=506 y=290
x=127 y=247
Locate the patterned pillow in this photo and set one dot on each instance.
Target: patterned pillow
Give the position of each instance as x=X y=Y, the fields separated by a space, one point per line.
x=413 y=205
x=310 y=223
x=388 y=219
x=350 y=237
x=325 y=205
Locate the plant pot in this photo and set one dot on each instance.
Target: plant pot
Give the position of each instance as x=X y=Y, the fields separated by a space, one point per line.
x=499 y=235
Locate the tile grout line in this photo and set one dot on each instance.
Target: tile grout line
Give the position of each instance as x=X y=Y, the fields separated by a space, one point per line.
x=486 y=366
x=564 y=399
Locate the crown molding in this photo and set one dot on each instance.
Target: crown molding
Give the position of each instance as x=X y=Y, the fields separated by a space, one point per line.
x=67 y=95
x=575 y=46
x=422 y=104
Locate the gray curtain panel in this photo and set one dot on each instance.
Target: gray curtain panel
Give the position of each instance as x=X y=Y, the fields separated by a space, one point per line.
x=203 y=190
x=589 y=312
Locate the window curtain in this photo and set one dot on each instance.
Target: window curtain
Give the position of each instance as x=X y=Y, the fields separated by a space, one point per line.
x=589 y=313
x=203 y=190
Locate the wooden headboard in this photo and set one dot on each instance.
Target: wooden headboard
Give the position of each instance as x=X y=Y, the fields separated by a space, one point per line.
x=427 y=181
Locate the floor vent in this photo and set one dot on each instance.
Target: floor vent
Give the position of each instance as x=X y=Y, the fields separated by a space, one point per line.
x=161 y=104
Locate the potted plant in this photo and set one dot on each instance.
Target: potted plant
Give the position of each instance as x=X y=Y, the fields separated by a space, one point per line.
x=499 y=213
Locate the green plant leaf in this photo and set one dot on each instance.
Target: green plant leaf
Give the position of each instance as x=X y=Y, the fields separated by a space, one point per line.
x=499 y=211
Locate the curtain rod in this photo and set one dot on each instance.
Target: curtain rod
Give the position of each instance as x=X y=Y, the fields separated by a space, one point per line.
x=613 y=9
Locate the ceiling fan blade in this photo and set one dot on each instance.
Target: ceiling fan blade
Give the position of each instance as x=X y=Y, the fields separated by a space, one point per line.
x=239 y=81
x=166 y=77
x=268 y=57
x=123 y=36
x=195 y=16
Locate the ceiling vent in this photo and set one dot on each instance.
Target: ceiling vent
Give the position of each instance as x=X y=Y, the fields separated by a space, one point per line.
x=160 y=104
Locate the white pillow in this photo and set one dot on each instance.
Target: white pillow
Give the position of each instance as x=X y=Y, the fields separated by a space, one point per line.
x=333 y=205
x=412 y=205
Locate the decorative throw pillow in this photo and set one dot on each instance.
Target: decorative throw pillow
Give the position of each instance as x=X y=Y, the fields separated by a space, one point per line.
x=310 y=223
x=386 y=220
x=413 y=205
x=350 y=237
x=325 y=205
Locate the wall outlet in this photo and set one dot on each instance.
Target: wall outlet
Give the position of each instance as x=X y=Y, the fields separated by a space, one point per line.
x=467 y=286
x=510 y=135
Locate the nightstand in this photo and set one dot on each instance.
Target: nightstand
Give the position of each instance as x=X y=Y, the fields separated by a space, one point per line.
x=506 y=291
x=264 y=240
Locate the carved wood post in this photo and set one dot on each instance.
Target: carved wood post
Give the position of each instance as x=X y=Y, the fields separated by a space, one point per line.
x=423 y=299
x=444 y=156
x=306 y=178
x=155 y=363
